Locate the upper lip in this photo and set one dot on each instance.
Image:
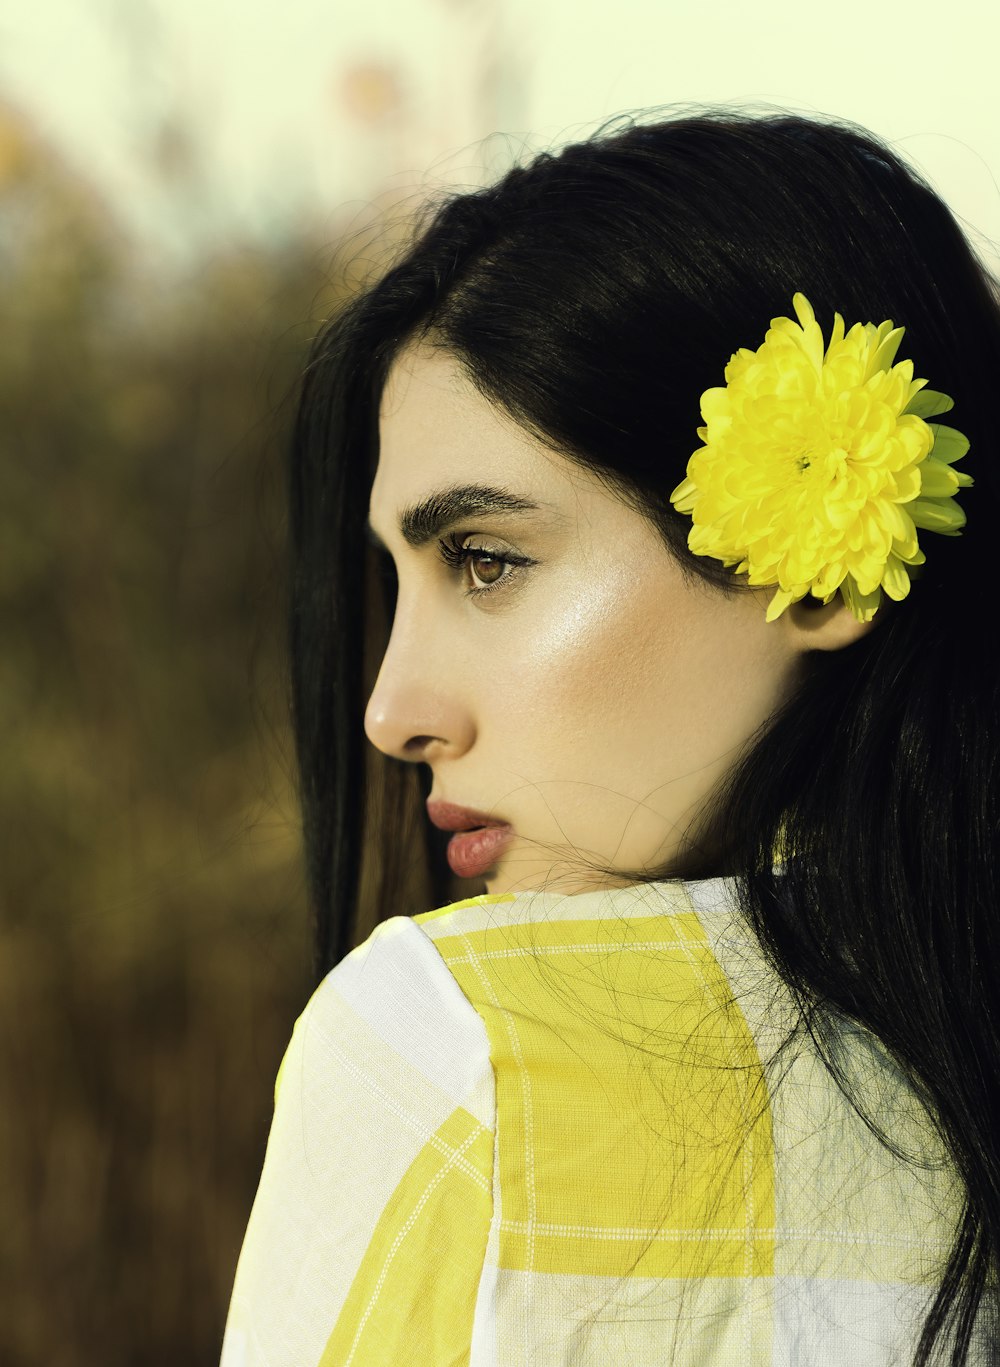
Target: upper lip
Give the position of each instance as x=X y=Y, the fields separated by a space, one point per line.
x=449 y=817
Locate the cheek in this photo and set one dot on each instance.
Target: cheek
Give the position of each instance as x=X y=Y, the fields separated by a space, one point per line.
x=588 y=680
x=642 y=678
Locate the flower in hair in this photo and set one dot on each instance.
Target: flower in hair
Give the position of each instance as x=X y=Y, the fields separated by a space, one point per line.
x=818 y=467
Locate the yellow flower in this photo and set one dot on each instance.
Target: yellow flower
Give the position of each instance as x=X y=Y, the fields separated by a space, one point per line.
x=818 y=468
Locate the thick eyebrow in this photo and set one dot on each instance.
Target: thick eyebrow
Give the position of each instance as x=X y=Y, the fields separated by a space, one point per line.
x=423 y=521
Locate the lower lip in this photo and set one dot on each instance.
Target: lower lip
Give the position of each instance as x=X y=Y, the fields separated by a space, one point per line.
x=472 y=853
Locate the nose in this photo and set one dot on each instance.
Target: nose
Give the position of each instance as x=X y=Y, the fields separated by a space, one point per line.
x=419 y=709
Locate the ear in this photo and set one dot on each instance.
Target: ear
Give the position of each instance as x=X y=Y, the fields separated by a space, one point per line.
x=826 y=626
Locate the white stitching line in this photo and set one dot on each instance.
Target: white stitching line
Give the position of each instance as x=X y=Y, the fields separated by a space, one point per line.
x=747 y=1233
x=529 y=1161
x=427 y=1135
x=556 y=915
x=736 y=1234
x=698 y=967
x=400 y=1236
x=597 y=947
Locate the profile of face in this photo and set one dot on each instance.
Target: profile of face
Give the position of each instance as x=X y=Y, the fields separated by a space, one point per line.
x=548 y=659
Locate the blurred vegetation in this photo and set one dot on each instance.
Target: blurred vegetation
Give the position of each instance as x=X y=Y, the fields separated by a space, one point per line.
x=154 y=950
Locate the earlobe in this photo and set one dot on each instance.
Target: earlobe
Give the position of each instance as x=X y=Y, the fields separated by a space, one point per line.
x=826 y=626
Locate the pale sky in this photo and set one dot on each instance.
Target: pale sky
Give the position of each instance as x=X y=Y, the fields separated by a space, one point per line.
x=260 y=83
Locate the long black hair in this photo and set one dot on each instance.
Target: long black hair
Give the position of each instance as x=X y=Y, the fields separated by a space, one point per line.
x=594 y=294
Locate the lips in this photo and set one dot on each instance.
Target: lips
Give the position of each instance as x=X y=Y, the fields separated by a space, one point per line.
x=472 y=854
x=478 y=839
x=447 y=816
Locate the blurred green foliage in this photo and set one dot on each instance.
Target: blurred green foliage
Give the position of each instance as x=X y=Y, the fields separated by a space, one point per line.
x=154 y=950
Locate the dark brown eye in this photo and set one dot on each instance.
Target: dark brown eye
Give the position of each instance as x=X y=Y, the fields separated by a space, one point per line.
x=481 y=570
x=487 y=568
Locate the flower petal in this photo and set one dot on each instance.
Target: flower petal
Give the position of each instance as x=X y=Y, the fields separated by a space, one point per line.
x=862 y=605
x=937 y=480
x=885 y=353
x=936 y=517
x=929 y=402
x=949 y=445
x=777 y=605
x=684 y=495
x=895 y=580
x=818 y=467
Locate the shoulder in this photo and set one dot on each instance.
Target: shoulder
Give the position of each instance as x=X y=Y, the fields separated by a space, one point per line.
x=376 y=1187
x=525 y=944
x=392 y=1008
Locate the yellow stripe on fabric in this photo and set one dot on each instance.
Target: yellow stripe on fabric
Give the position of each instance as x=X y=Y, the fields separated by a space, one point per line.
x=634 y=1128
x=483 y=899
x=413 y=1298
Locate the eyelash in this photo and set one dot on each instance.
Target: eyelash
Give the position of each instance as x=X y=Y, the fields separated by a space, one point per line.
x=457 y=556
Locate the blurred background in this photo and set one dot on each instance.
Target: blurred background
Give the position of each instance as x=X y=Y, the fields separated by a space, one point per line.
x=187 y=189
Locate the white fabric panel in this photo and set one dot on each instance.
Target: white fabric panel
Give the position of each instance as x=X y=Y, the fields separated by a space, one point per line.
x=376 y=1063
x=577 y=1321
x=819 y=1323
x=398 y=983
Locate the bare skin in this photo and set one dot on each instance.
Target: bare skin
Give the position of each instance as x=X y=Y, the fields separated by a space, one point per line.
x=593 y=698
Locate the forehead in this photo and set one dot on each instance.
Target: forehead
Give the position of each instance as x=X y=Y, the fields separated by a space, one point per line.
x=435 y=428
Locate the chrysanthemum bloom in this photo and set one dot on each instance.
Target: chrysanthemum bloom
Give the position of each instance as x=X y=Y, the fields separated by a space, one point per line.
x=817 y=469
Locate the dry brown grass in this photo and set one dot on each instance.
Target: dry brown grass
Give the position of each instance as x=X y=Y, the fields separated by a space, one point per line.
x=153 y=945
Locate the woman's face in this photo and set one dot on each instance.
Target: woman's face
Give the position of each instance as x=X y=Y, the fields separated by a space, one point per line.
x=565 y=678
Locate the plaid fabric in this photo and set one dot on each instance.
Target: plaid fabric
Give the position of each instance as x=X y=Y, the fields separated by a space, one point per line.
x=542 y=1130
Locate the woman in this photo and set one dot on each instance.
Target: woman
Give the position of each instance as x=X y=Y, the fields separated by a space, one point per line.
x=687 y=619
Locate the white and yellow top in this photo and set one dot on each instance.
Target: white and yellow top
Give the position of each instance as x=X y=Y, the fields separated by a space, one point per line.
x=547 y=1130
